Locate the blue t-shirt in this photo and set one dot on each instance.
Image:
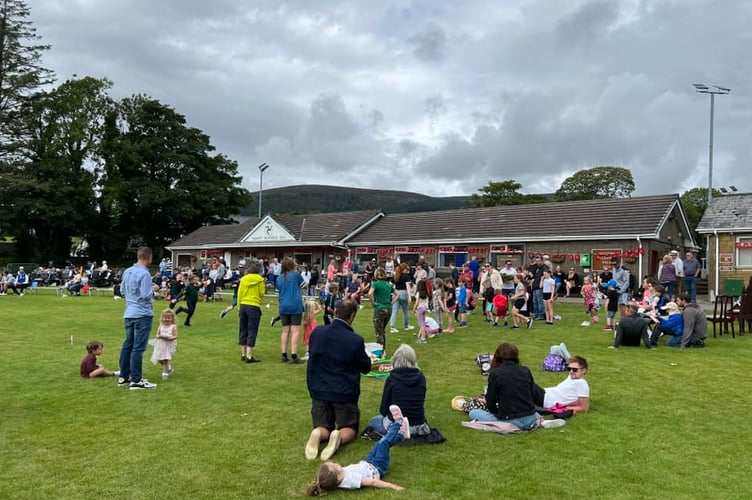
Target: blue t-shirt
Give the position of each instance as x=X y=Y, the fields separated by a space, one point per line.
x=290 y=295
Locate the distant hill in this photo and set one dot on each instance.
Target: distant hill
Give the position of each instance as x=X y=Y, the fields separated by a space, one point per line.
x=323 y=199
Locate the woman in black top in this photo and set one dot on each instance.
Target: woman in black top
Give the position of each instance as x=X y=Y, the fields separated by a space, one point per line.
x=511 y=391
x=403 y=284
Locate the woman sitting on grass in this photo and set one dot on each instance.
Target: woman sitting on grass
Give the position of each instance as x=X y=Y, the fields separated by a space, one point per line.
x=510 y=397
x=406 y=388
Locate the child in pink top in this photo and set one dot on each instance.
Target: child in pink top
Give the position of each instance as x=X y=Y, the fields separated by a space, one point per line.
x=311 y=309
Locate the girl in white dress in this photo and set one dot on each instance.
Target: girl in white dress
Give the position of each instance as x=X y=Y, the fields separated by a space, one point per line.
x=166 y=342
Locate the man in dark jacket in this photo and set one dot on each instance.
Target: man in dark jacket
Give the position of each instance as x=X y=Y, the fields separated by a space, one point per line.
x=630 y=329
x=337 y=358
x=695 y=322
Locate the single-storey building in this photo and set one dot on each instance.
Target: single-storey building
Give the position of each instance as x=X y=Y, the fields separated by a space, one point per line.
x=727 y=226
x=577 y=234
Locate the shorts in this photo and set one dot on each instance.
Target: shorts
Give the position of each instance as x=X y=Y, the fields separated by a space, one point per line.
x=489 y=307
x=452 y=308
x=519 y=304
x=624 y=299
x=547 y=296
x=291 y=319
x=331 y=415
x=610 y=314
x=461 y=309
x=501 y=313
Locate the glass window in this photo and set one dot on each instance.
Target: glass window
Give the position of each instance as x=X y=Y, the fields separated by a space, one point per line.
x=744 y=252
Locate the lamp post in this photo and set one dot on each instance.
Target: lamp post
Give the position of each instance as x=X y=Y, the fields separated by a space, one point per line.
x=704 y=89
x=261 y=168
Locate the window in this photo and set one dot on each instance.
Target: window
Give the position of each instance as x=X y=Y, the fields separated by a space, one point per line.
x=744 y=252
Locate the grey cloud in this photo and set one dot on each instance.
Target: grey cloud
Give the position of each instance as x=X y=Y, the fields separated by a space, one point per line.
x=430 y=43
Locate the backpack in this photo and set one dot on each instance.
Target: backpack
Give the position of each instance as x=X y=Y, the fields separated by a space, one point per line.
x=554 y=363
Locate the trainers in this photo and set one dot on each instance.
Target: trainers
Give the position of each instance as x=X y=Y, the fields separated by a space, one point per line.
x=409 y=327
x=243 y=359
x=496 y=325
x=398 y=416
x=284 y=359
x=222 y=314
x=529 y=323
x=606 y=328
x=142 y=384
x=304 y=358
x=553 y=424
x=122 y=382
x=332 y=447
x=393 y=330
x=165 y=375
x=421 y=341
x=274 y=320
x=252 y=360
x=312 y=446
x=116 y=373
x=296 y=361
x=463 y=324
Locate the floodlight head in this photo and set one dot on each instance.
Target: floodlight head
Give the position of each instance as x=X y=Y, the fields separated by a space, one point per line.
x=263 y=167
x=700 y=86
x=722 y=89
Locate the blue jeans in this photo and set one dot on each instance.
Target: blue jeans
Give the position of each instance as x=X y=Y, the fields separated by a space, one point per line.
x=401 y=303
x=674 y=341
x=690 y=286
x=379 y=454
x=137 y=332
x=523 y=423
x=670 y=285
x=538 y=305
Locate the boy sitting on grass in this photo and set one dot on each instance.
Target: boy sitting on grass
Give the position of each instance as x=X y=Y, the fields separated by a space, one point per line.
x=89 y=366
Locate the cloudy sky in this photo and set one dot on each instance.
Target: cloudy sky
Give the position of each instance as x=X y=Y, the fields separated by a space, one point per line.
x=432 y=96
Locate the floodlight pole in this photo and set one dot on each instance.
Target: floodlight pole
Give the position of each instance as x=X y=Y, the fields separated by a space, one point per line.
x=704 y=89
x=261 y=168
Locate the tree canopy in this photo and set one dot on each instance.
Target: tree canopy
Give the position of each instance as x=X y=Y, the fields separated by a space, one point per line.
x=503 y=193
x=597 y=182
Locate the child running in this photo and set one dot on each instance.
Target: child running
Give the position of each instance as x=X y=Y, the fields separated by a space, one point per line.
x=590 y=298
x=310 y=309
x=89 y=366
x=368 y=472
x=167 y=342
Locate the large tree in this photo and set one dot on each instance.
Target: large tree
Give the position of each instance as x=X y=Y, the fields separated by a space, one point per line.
x=160 y=178
x=503 y=193
x=21 y=71
x=60 y=165
x=598 y=182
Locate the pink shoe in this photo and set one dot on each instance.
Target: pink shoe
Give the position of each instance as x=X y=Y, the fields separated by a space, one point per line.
x=398 y=416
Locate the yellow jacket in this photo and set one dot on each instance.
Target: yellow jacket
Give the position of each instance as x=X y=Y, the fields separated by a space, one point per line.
x=250 y=290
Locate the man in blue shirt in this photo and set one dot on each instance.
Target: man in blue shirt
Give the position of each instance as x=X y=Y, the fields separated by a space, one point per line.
x=691 y=273
x=136 y=287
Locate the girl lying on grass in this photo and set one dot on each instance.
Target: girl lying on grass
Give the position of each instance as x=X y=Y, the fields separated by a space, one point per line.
x=368 y=472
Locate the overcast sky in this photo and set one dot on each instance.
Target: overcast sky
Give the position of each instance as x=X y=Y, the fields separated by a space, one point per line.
x=432 y=96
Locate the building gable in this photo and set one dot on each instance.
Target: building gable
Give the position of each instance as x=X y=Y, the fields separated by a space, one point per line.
x=267 y=230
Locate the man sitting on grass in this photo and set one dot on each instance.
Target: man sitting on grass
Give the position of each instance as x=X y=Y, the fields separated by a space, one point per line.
x=630 y=329
x=695 y=322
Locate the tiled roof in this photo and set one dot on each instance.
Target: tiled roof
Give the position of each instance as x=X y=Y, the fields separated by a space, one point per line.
x=616 y=218
x=728 y=212
x=314 y=228
x=216 y=235
x=324 y=227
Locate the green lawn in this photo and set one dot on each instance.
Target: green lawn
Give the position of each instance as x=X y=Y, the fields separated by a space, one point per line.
x=664 y=423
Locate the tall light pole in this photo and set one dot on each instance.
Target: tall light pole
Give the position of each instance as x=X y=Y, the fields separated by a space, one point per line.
x=261 y=168
x=704 y=89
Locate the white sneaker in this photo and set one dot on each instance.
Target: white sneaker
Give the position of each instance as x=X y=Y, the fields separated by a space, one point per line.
x=332 y=447
x=393 y=330
x=552 y=424
x=116 y=373
x=410 y=327
x=312 y=446
x=165 y=375
x=142 y=384
x=405 y=425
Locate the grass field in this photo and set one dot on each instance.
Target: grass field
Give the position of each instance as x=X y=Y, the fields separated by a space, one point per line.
x=664 y=423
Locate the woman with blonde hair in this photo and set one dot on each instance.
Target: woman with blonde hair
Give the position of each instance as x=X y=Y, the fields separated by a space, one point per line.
x=406 y=388
x=403 y=284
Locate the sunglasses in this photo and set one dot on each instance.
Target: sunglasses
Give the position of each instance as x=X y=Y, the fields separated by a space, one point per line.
x=573 y=369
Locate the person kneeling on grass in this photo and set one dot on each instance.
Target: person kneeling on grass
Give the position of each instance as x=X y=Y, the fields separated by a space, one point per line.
x=368 y=472
x=671 y=325
x=630 y=329
x=89 y=366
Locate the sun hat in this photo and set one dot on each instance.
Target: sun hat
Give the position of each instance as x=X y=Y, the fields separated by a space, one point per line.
x=458 y=403
x=671 y=307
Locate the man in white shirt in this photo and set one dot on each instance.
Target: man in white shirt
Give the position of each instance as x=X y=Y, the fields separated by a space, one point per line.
x=574 y=391
x=679 y=266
